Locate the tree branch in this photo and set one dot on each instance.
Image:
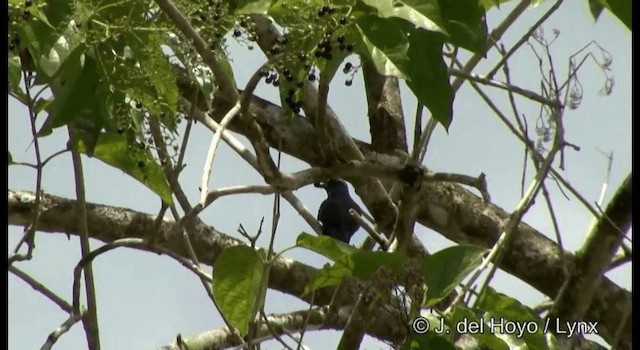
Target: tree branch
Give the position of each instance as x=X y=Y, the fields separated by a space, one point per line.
x=593 y=259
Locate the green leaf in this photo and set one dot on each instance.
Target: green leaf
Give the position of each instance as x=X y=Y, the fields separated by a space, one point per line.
x=41 y=105
x=360 y=264
x=488 y=4
x=620 y=8
x=386 y=43
x=114 y=150
x=444 y=270
x=365 y=264
x=506 y=309
x=237 y=285
x=596 y=8
x=15 y=73
x=329 y=275
x=429 y=80
x=325 y=246
x=249 y=7
x=81 y=78
x=423 y=14
x=464 y=320
x=465 y=23
x=157 y=91
x=427 y=341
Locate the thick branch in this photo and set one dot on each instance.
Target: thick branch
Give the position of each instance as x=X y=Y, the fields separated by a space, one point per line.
x=107 y=224
x=593 y=259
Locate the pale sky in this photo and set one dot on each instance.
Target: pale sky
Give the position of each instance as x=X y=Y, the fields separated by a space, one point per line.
x=144 y=300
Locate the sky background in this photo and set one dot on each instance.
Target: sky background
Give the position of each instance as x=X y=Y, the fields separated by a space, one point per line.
x=144 y=300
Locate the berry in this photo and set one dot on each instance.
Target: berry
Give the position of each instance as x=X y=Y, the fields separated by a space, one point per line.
x=343 y=21
x=349 y=47
x=312 y=77
x=347 y=67
x=302 y=56
x=237 y=32
x=341 y=39
x=276 y=82
x=348 y=82
x=28 y=3
x=140 y=164
x=138 y=105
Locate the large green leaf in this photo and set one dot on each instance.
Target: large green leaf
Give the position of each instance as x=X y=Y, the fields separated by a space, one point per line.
x=329 y=275
x=427 y=341
x=325 y=245
x=428 y=77
x=463 y=320
x=465 y=23
x=620 y=8
x=510 y=311
x=423 y=14
x=237 y=285
x=15 y=73
x=386 y=43
x=80 y=77
x=349 y=262
x=249 y=7
x=445 y=269
x=156 y=89
x=113 y=149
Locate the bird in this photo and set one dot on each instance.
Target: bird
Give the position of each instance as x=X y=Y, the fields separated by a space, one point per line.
x=334 y=211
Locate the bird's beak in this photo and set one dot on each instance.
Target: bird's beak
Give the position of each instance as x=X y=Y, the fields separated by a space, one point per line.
x=320 y=184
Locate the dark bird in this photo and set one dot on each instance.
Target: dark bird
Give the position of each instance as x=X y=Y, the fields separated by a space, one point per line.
x=334 y=211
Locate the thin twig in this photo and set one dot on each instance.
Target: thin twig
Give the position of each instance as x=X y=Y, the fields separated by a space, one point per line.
x=379 y=238
x=39 y=287
x=211 y=154
x=90 y=321
x=64 y=328
x=241 y=107
x=505 y=86
x=524 y=38
x=30 y=234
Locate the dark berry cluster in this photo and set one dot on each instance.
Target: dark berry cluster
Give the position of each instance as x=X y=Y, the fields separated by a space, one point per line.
x=290 y=100
x=325 y=47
